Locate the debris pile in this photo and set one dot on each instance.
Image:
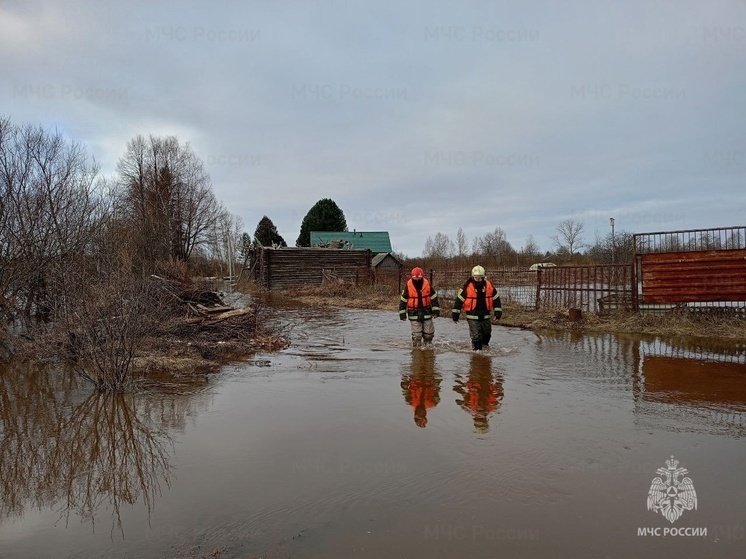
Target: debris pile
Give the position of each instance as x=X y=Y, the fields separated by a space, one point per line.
x=212 y=318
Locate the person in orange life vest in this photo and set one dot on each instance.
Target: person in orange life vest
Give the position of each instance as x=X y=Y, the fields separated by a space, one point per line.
x=481 y=303
x=419 y=303
x=481 y=391
x=421 y=385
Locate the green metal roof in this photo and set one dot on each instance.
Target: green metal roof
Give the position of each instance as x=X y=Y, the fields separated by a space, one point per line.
x=376 y=241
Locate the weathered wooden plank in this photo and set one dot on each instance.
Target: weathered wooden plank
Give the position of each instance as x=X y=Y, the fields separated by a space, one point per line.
x=215 y=309
x=293 y=267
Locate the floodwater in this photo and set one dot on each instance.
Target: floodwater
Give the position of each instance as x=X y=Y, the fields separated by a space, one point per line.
x=351 y=443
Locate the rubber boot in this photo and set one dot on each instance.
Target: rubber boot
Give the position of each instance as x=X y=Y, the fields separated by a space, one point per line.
x=427 y=340
x=416 y=342
x=476 y=346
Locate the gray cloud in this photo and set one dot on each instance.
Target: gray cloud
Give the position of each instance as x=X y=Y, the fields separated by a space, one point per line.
x=417 y=117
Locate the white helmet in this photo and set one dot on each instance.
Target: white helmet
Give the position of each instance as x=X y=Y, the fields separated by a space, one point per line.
x=477 y=271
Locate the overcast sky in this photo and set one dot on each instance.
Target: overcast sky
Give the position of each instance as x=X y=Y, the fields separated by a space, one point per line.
x=415 y=117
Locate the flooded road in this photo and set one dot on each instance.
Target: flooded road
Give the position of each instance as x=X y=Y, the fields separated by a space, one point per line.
x=351 y=443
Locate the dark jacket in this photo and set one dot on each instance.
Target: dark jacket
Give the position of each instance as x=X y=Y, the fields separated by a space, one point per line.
x=418 y=302
x=479 y=301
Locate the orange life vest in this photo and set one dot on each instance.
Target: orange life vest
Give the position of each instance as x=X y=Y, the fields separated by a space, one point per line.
x=413 y=298
x=470 y=296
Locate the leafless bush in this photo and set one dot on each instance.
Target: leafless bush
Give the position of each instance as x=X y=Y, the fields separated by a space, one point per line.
x=50 y=209
x=106 y=323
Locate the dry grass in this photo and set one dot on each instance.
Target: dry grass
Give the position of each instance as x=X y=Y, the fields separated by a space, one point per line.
x=182 y=348
x=350 y=296
x=672 y=324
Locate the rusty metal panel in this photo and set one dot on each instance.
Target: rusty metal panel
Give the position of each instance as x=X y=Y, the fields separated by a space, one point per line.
x=684 y=277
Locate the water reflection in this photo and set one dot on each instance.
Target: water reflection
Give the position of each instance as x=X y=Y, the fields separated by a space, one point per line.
x=421 y=385
x=107 y=453
x=691 y=386
x=677 y=385
x=63 y=448
x=481 y=391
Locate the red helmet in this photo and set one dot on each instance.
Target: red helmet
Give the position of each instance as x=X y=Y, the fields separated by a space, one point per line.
x=417 y=273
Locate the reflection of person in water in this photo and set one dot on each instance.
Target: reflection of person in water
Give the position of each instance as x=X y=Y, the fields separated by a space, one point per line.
x=421 y=385
x=481 y=391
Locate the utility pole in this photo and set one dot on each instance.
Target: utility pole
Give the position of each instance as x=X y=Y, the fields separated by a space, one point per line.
x=230 y=259
x=611 y=220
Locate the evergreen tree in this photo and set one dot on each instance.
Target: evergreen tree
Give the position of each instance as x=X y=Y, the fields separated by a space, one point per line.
x=245 y=247
x=266 y=234
x=325 y=215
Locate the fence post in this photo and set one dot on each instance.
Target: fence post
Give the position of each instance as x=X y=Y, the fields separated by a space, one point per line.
x=633 y=274
x=538 y=288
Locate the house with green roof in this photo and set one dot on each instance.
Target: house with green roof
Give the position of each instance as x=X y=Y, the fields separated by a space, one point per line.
x=375 y=241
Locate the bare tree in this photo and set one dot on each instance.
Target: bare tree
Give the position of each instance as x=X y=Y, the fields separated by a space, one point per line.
x=569 y=236
x=495 y=246
x=169 y=197
x=439 y=247
x=462 y=243
x=621 y=244
x=225 y=238
x=530 y=250
x=50 y=210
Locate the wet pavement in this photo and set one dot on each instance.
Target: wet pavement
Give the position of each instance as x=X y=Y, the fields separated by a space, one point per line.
x=352 y=443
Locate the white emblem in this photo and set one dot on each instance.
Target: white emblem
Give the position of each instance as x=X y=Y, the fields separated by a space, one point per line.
x=672 y=497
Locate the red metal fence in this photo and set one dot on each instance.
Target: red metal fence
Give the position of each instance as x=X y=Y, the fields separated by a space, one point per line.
x=689 y=277
x=696 y=268
x=593 y=288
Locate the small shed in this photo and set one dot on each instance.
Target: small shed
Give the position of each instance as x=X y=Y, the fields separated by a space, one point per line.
x=386 y=261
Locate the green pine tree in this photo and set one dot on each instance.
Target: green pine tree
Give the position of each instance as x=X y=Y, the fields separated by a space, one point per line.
x=325 y=215
x=266 y=234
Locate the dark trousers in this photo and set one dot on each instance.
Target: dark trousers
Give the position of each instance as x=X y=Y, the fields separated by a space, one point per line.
x=480 y=332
